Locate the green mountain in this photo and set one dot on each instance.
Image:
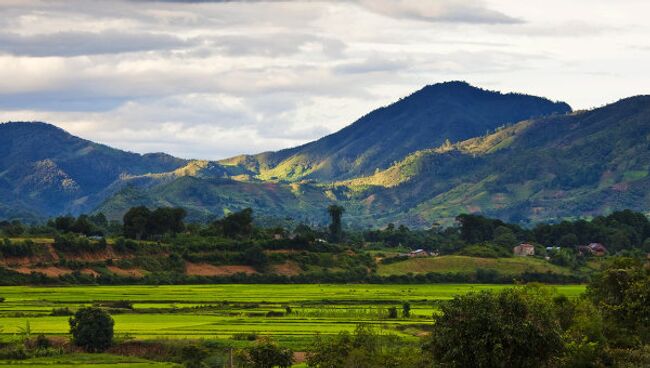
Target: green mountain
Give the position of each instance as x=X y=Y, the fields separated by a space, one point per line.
x=535 y=169
x=46 y=171
x=446 y=111
x=582 y=164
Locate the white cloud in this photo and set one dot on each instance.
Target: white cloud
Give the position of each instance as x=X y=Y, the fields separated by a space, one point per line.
x=210 y=79
x=452 y=11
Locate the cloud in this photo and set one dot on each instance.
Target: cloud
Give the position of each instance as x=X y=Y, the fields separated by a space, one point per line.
x=448 y=11
x=451 y=11
x=86 y=43
x=210 y=79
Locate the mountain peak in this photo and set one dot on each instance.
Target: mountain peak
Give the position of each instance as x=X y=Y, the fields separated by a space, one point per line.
x=452 y=111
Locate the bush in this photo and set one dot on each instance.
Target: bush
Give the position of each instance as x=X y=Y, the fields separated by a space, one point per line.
x=504 y=329
x=621 y=293
x=392 y=312
x=61 y=312
x=365 y=348
x=92 y=329
x=275 y=314
x=266 y=354
x=485 y=251
x=245 y=336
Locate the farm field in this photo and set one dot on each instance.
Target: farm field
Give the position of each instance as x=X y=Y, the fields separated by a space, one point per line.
x=87 y=361
x=222 y=312
x=465 y=264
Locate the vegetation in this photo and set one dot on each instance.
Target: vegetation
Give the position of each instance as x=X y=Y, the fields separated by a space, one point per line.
x=92 y=329
x=514 y=326
x=435 y=167
x=141 y=223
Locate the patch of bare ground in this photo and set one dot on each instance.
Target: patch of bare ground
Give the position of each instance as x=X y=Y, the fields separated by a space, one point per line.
x=50 y=271
x=143 y=349
x=49 y=257
x=131 y=272
x=299 y=357
x=287 y=269
x=90 y=271
x=205 y=269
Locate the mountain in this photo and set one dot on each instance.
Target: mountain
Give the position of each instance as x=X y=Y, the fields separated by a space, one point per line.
x=46 y=171
x=583 y=164
x=541 y=168
x=451 y=111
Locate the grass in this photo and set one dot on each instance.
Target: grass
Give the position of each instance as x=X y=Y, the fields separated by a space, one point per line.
x=464 y=264
x=220 y=313
x=86 y=361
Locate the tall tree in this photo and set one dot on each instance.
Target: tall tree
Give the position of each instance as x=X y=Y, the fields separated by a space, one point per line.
x=136 y=221
x=336 y=226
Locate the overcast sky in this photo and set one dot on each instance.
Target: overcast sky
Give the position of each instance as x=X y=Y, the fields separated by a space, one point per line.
x=211 y=79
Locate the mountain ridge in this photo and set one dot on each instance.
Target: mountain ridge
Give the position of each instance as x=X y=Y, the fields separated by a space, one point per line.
x=426 y=118
x=537 y=169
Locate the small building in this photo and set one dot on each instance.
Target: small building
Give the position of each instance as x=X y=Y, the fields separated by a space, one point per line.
x=594 y=249
x=597 y=249
x=524 y=250
x=418 y=253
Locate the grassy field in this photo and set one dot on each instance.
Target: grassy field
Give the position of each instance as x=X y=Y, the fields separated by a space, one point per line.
x=86 y=361
x=223 y=313
x=464 y=264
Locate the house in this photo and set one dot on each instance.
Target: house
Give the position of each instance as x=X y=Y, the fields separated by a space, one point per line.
x=594 y=249
x=418 y=253
x=597 y=249
x=524 y=250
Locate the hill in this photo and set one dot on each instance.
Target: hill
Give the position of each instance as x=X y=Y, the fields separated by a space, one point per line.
x=446 y=111
x=46 y=171
x=539 y=169
x=581 y=164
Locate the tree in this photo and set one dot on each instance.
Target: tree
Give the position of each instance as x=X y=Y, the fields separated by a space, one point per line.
x=336 y=227
x=511 y=328
x=135 y=222
x=621 y=292
x=504 y=236
x=92 y=329
x=365 y=348
x=167 y=220
x=64 y=223
x=82 y=225
x=267 y=354
x=256 y=257
x=193 y=356
x=13 y=228
x=392 y=312
x=235 y=225
x=406 y=310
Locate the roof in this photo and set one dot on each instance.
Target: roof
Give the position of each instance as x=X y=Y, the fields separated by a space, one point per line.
x=526 y=245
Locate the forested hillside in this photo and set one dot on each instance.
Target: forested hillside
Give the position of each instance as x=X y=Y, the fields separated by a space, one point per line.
x=445 y=150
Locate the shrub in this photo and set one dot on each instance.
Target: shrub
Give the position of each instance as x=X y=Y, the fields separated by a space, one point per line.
x=406 y=310
x=92 y=329
x=266 y=354
x=65 y=311
x=245 y=336
x=364 y=348
x=511 y=328
x=42 y=342
x=275 y=314
x=392 y=312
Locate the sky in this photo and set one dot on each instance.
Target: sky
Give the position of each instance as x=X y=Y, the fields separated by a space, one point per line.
x=213 y=79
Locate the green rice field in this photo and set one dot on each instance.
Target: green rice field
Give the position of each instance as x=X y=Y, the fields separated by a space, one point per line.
x=222 y=311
